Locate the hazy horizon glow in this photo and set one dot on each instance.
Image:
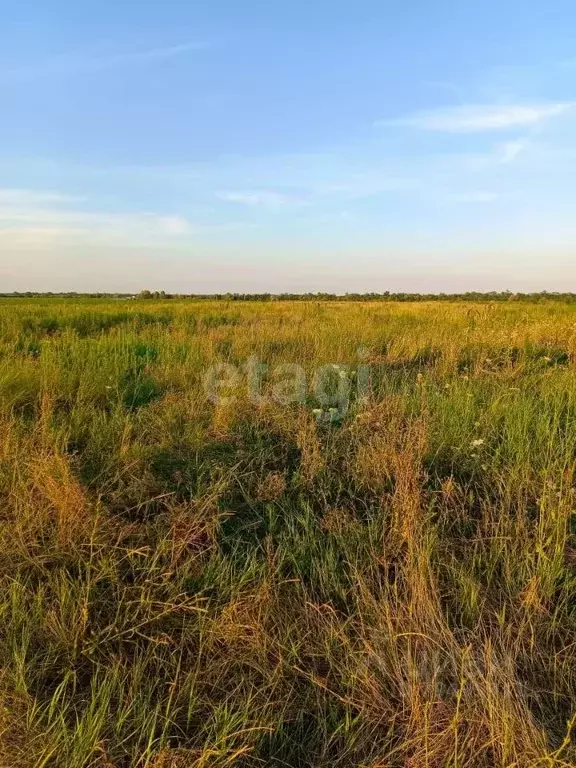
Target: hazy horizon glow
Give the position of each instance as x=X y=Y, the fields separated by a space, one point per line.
x=240 y=147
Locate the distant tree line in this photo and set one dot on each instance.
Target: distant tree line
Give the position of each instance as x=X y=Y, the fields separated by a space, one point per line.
x=472 y=296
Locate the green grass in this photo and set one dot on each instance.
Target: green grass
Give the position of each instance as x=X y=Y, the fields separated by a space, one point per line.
x=216 y=584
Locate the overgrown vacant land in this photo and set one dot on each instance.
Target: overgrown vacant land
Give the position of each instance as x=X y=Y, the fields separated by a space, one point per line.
x=204 y=575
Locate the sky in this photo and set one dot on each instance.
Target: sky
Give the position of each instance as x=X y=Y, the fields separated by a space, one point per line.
x=247 y=145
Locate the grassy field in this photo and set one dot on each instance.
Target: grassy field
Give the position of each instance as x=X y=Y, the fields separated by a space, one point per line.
x=203 y=566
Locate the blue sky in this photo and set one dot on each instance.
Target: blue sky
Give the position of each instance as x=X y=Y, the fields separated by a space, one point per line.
x=336 y=146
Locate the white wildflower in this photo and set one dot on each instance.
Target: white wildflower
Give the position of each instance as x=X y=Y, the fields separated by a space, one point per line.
x=334 y=414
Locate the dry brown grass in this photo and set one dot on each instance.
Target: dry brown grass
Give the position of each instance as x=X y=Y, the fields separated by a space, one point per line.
x=189 y=583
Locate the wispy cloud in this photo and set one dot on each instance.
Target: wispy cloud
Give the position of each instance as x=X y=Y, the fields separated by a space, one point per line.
x=313 y=190
x=269 y=198
x=23 y=210
x=477 y=196
x=95 y=60
x=27 y=197
x=511 y=150
x=476 y=118
x=175 y=225
x=357 y=186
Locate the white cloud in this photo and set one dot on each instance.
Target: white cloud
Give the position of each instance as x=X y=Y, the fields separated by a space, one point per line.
x=256 y=198
x=26 y=197
x=175 y=225
x=363 y=185
x=511 y=150
x=314 y=191
x=476 y=118
x=95 y=60
x=472 y=197
x=151 y=54
x=47 y=213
